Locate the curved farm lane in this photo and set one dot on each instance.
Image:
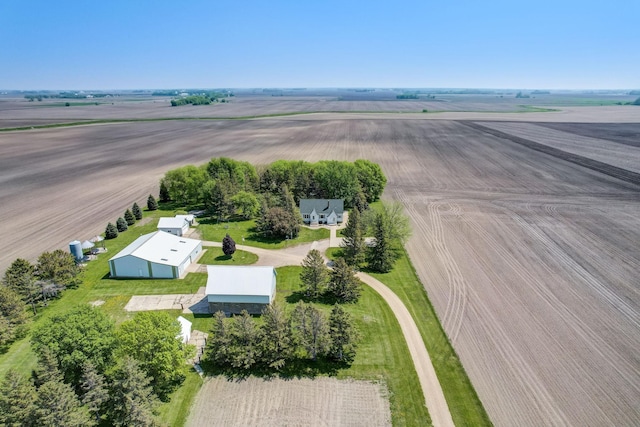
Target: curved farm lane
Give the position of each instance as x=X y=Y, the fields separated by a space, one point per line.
x=433 y=395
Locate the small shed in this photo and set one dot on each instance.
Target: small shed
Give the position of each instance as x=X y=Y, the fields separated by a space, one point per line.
x=175 y=226
x=185 y=332
x=189 y=218
x=232 y=289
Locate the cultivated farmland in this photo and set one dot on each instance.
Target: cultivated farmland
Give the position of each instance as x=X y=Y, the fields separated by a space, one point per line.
x=531 y=261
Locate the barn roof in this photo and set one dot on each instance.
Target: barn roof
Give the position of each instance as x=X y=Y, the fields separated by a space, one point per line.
x=168 y=222
x=161 y=248
x=238 y=280
x=321 y=205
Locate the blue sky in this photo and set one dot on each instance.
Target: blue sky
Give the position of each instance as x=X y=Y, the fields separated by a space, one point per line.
x=132 y=44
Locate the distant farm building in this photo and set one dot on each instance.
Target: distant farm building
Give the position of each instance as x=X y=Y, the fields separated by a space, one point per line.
x=157 y=255
x=232 y=289
x=322 y=211
x=176 y=226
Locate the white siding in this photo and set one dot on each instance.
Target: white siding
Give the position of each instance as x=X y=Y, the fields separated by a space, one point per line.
x=161 y=271
x=130 y=266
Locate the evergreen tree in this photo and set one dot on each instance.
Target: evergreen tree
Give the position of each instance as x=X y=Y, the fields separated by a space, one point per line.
x=152 y=205
x=164 y=191
x=58 y=406
x=17 y=400
x=218 y=350
x=20 y=276
x=132 y=399
x=47 y=368
x=129 y=218
x=136 y=211
x=121 y=225
x=13 y=318
x=228 y=245
x=314 y=274
x=311 y=330
x=353 y=246
x=111 y=232
x=95 y=394
x=344 y=285
x=276 y=336
x=381 y=255
x=343 y=335
x=245 y=350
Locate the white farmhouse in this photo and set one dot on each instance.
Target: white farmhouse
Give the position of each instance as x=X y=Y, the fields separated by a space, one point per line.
x=176 y=226
x=157 y=255
x=322 y=211
x=232 y=289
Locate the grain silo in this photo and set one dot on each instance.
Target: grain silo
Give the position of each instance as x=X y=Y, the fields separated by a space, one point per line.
x=76 y=250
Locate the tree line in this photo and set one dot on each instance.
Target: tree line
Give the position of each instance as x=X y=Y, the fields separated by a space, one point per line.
x=240 y=343
x=227 y=187
x=90 y=372
x=129 y=218
x=33 y=285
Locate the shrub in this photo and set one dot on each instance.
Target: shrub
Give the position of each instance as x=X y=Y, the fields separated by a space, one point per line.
x=111 y=231
x=121 y=224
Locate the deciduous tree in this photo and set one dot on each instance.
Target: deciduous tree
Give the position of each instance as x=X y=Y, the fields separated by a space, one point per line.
x=150 y=337
x=371 y=178
x=228 y=245
x=58 y=267
x=314 y=274
x=13 y=318
x=75 y=337
x=246 y=204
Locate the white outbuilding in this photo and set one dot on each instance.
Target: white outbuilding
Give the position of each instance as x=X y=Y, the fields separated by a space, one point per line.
x=157 y=255
x=190 y=218
x=176 y=226
x=232 y=289
x=185 y=330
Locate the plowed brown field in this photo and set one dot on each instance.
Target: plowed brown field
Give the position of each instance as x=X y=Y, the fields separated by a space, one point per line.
x=530 y=261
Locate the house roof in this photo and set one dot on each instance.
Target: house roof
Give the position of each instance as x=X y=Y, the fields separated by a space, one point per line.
x=188 y=217
x=161 y=248
x=167 y=222
x=321 y=205
x=236 y=280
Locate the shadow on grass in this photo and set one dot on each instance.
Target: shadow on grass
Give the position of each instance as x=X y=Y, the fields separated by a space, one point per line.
x=293 y=369
x=326 y=298
x=223 y=257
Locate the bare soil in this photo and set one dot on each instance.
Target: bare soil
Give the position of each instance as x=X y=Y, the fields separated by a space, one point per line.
x=530 y=261
x=295 y=402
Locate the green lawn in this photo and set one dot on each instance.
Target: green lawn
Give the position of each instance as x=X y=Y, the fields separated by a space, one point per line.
x=246 y=229
x=382 y=351
x=464 y=404
x=175 y=412
x=215 y=256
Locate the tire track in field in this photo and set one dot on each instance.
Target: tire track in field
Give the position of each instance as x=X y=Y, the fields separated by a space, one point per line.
x=579 y=328
x=457 y=300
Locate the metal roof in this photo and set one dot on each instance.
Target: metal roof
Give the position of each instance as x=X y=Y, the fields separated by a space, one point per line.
x=321 y=205
x=237 y=280
x=161 y=248
x=168 y=222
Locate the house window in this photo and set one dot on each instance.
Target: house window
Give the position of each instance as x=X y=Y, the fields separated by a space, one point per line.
x=321 y=216
x=305 y=216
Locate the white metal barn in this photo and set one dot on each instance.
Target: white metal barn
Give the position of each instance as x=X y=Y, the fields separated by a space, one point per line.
x=176 y=226
x=233 y=289
x=157 y=255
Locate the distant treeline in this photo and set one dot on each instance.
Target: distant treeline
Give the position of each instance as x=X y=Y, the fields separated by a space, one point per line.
x=202 y=99
x=634 y=92
x=407 y=96
x=66 y=95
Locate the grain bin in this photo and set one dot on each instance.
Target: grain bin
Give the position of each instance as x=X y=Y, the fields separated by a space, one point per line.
x=76 y=250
